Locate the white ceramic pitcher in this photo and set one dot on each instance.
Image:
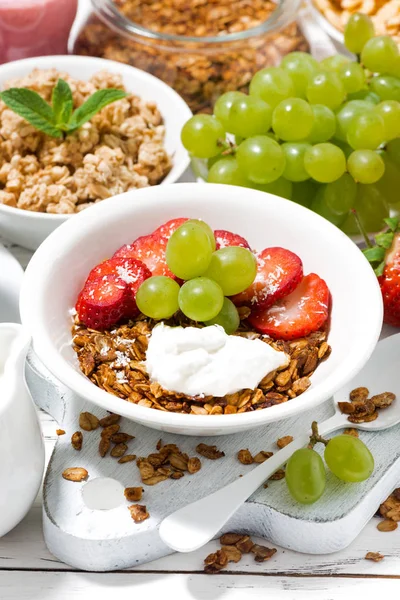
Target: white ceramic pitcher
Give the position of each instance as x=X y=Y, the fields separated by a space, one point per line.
x=21 y=441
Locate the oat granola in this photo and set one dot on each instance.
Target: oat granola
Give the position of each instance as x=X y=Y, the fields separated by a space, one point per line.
x=362 y=409
x=120 y=149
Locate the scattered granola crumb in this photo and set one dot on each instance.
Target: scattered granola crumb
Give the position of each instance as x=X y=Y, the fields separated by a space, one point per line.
x=245 y=544
x=245 y=457
x=121 y=438
x=375 y=556
x=351 y=431
x=119 y=450
x=77 y=440
x=279 y=474
x=111 y=419
x=233 y=553
x=262 y=553
x=387 y=525
x=210 y=452
x=362 y=409
x=60 y=432
x=104 y=446
x=88 y=422
x=194 y=465
x=262 y=456
x=133 y=494
x=75 y=474
x=127 y=458
x=284 y=441
x=229 y=539
x=138 y=512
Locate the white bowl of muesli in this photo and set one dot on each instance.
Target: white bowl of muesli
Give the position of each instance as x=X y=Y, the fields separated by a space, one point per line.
x=306 y=324
x=130 y=143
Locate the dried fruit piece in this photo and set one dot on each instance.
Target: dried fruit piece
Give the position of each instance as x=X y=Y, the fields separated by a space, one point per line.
x=127 y=458
x=77 y=440
x=284 y=441
x=245 y=457
x=60 y=432
x=230 y=539
x=133 y=494
x=233 y=553
x=194 y=465
x=119 y=450
x=88 y=422
x=109 y=420
x=75 y=474
x=262 y=553
x=210 y=452
x=387 y=525
x=138 y=512
x=375 y=556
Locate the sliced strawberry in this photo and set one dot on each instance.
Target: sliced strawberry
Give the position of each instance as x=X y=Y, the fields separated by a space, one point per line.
x=279 y=271
x=104 y=302
x=150 y=249
x=305 y=310
x=226 y=238
x=169 y=227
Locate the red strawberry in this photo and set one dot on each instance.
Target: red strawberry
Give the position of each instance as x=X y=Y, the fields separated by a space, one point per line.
x=385 y=257
x=305 y=310
x=103 y=302
x=226 y=238
x=169 y=227
x=150 y=249
x=279 y=271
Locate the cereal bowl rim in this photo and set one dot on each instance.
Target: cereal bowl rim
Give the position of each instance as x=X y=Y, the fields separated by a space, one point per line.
x=61 y=243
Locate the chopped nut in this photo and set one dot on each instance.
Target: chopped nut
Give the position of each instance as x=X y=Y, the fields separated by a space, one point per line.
x=279 y=474
x=375 y=556
x=383 y=400
x=119 y=450
x=262 y=456
x=194 y=465
x=133 y=494
x=245 y=457
x=245 y=544
x=233 y=553
x=127 y=458
x=210 y=452
x=387 y=525
x=75 y=474
x=138 y=512
x=262 y=553
x=284 y=441
x=121 y=438
x=109 y=420
x=229 y=539
x=104 y=446
x=60 y=432
x=359 y=394
x=77 y=440
x=88 y=422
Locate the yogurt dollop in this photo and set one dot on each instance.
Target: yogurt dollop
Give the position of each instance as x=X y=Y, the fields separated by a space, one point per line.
x=207 y=361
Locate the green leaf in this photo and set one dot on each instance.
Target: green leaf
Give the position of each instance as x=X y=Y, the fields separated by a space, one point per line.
x=379 y=269
x=374 y=254
x=62 y=102
x=392 y=223
x=384 y=240
x=93 y=105
x=31 y=107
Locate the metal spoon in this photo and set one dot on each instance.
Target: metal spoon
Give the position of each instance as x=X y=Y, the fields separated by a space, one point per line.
x=194 y=525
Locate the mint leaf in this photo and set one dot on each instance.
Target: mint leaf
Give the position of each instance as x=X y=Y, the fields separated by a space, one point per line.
x=374 y=254
x=31 y=107
x=62 y=103
x=384 y=240
x=93 y=105
x=392 y=223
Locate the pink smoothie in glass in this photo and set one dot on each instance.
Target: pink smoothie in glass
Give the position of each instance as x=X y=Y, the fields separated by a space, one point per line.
x=35 y=27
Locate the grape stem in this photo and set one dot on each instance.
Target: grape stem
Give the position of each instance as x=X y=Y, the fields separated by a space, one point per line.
x=315 y=438
x=228 y=147
x=361 y=228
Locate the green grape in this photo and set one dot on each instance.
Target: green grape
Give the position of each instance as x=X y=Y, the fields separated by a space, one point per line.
x=305 y=475
x=319 y=206
x=366 y=131
x=206 y=228
x=292 y=119
x=233 y=268
x=261 y=159
x=340 y=195
x=365 y=95
x=394 y=68
x=272 y=85
x=326 y=88
x=157 y=297
x=324 y=126
x=379 y=53
x=301 y=67
x=334 y=63
x=281 y=187
x=189 y=251
x=325 y=162
x=365 y=166
x=371 y=207
x=228 y=317
x=294 y=167
x=389 y=184
x=346 y=115
x=358 y=31
x=346 y=149
x=201 y=134
x=352 y=76
x=386 y=87
x=201 y=299
x=226 y=170
x=390 y=113
x=249 y=116
x=393 y=150
x=304 y=192
x=349 y=458
x=223 y=105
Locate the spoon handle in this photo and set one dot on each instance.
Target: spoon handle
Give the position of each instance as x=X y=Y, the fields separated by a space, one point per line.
x=197 y=523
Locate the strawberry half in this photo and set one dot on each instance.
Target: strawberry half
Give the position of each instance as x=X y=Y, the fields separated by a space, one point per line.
x=226 y=238
x=103 y=302
x=302 y=312
x=279 y=271
x=169 y=227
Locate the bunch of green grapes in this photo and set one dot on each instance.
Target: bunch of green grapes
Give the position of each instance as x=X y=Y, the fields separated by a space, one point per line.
x=323 y=134
x=208 y=276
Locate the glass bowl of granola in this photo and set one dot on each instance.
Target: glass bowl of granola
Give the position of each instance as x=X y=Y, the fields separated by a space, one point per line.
x=200 y=48
x=131 y=140
x=60 y=267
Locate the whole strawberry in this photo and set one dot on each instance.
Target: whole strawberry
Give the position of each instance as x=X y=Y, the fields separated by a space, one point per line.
x=385 y=258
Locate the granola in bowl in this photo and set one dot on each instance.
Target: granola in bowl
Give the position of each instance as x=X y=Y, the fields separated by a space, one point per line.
x=137 y=334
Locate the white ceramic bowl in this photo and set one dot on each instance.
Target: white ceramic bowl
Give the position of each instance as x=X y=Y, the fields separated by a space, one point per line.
x=29 y=229
x=58 y=270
